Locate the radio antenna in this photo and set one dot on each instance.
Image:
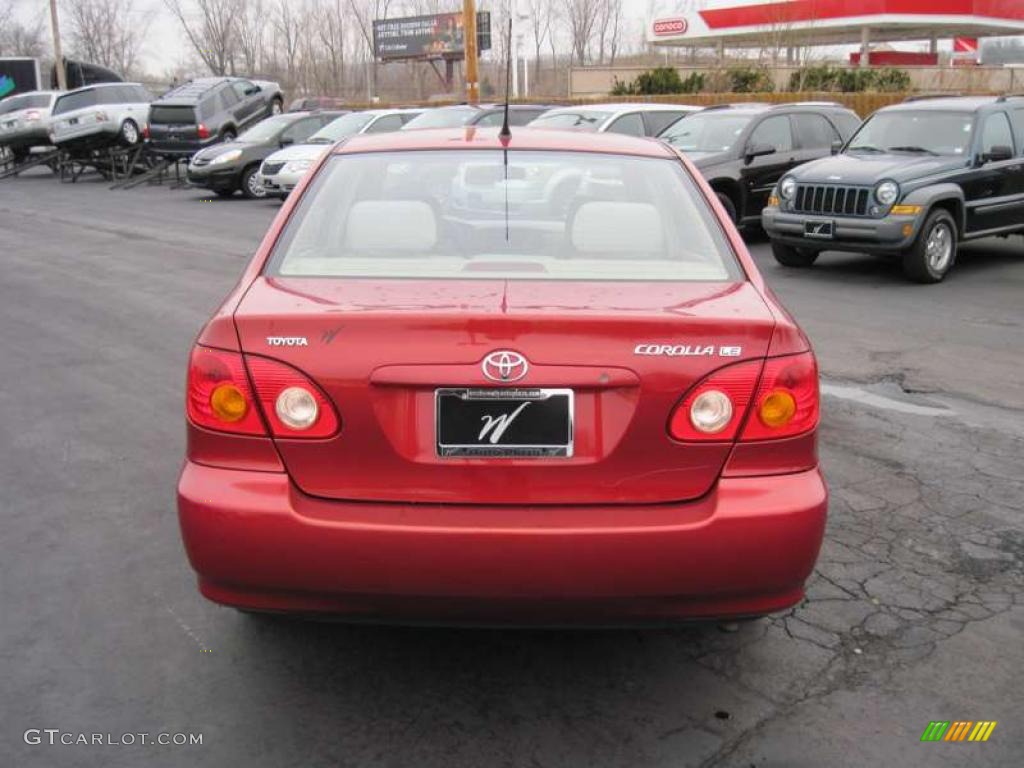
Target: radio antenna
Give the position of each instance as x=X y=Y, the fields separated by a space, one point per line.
x=506 y=132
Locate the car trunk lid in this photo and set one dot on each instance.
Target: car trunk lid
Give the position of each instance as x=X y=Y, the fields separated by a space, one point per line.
x=381 y=348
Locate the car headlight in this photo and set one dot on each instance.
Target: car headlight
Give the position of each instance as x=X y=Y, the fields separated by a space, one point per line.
x=887 y=192
x=298 y=166
x=788 y=188
x=227 y=157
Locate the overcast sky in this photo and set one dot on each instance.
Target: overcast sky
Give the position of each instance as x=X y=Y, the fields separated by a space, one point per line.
x=165 y=45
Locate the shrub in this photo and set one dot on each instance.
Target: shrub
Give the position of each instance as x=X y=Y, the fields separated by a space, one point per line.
x=749 y=80
x=660 y=80
x=892 y=80
x=845 y=79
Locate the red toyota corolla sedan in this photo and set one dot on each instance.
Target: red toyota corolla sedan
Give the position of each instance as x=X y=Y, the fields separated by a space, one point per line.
x=529 y=379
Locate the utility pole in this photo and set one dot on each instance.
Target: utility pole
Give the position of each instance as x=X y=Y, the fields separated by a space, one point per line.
x=469 y=43
x=58 y=57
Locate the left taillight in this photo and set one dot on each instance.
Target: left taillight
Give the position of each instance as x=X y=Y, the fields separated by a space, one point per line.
x=218 y=394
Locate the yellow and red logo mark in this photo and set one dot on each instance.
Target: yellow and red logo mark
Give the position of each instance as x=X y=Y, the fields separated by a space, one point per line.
x=958 y=730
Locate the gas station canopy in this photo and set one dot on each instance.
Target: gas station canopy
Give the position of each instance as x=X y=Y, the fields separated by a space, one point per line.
x=837 y=22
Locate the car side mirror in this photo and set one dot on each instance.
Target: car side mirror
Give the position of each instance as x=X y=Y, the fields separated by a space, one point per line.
x=837 y=147
x=286 y=140
x=758 y=150
x=251 y=91
x=997 y=154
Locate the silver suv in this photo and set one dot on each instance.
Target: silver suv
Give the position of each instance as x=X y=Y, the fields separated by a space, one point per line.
x=24 y=121
x=100 y=115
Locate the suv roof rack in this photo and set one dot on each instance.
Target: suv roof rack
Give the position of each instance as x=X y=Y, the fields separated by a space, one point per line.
x=784 y=104
x=928 y=96
x=736 y=104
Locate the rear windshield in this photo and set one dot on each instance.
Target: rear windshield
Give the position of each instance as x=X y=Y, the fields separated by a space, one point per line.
x=164 y=115
x=491 y=215
x=25 y=101
x=451 y=117
x=580 y=120
x=69 y=102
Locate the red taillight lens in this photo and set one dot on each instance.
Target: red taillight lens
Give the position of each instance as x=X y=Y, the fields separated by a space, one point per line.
x=293 y=405
x=202 y=131
x=701 y=415
x=145 y=131
x=32 y=115
x=787 y=401
x=218 y=395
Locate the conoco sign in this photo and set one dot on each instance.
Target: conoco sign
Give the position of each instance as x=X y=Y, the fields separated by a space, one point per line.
x=664 y=27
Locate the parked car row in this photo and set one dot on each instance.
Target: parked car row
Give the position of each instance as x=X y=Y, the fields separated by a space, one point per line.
x=914 y=180
x=100 y=115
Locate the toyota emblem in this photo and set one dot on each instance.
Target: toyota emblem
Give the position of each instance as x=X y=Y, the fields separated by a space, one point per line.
x=505 y=366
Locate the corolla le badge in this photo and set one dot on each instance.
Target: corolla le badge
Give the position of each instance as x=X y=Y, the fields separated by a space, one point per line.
x=504 y=365
x=687 y=350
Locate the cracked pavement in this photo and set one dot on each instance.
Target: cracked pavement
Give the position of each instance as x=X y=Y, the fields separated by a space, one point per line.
x=914 y=613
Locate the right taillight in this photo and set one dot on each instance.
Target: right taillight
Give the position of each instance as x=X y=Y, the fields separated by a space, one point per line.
x=202 y=131
x=787 y=401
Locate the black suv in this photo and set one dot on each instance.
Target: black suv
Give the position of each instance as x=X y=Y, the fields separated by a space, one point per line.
x=744 y=149
x=235 y=164
x=917 y=179
x=208 y=110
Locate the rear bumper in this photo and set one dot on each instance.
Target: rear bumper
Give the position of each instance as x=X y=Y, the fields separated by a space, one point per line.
x=858 y=234
x=23 y=137
x=745 y=549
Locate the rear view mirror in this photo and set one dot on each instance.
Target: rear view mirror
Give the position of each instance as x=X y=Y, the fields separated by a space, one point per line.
x=758 y=150
x=837 y=147
x=997 y=154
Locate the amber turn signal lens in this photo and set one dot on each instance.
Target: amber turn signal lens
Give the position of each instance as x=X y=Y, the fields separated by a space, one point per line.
x=777 y=408
x=228 y=403
x=905 y=210
x=773 y=202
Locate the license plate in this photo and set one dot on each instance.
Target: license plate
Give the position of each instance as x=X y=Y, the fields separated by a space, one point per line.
x=824 y=230
x=503 y=423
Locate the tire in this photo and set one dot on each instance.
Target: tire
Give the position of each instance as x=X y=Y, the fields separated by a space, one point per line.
x=788 y=256
x=729 y=205
x=252 y=187
x=129 y=136
x=228 y=134
x=934 y=252
x=225 y=192
x=276 y=107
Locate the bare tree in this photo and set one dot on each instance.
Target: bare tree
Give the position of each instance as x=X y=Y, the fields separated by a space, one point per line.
x=110 y=33
x=289 y=21
x=580 y=18
x=210 y=26
x=332 y=28
x=540 y=28
x=19 y=38
x=250 y=34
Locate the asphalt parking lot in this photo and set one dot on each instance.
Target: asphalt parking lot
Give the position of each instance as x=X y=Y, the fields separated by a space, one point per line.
x=915 y=612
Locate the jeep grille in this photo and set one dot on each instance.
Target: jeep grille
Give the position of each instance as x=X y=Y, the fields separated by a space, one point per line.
x=831 y=199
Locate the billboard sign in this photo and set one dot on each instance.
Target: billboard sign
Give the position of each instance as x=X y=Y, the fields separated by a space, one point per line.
x=18 y=75
x=437 y=36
